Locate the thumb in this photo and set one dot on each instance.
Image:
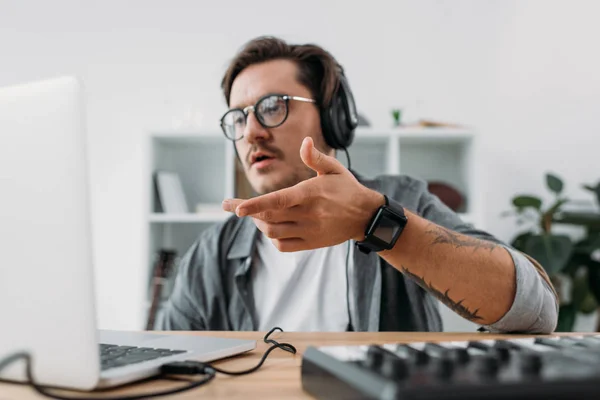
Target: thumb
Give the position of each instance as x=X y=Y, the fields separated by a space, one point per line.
x=317 y=161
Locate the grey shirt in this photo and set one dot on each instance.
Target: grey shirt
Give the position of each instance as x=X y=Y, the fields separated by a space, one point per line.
x=213 y=289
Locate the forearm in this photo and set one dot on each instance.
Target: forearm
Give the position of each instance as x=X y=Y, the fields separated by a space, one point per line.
x=451 y=266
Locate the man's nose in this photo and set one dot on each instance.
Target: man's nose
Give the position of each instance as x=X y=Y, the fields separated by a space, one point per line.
x=254 y=131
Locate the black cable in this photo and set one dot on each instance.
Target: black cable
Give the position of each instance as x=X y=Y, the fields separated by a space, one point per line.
x=351 y=328
x=348 y=158
x=210 y=374
x=191 y=366
x=181 y=368
x=257 y=366
x=275 y=345
x=283 y=346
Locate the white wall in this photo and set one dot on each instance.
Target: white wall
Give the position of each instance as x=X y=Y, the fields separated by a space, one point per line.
x=524 y=74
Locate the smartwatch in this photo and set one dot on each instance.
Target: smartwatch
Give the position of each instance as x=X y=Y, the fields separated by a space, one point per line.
x=384 y=229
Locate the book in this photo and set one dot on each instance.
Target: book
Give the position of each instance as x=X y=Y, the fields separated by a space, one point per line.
x=243 y=189
x=162 y=272
x=170 y=193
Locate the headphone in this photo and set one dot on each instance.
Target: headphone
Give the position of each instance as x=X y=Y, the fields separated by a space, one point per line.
x=340 y=119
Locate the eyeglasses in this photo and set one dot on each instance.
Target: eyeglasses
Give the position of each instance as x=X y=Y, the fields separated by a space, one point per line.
x=270 y=111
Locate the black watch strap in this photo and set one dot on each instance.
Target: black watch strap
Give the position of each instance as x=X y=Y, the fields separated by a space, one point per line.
x=384 y=229
x=367 y=247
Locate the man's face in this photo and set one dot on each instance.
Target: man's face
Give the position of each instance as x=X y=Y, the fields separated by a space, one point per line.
x=271 y=156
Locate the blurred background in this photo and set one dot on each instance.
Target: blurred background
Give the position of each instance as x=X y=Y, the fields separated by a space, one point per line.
x=514 y=86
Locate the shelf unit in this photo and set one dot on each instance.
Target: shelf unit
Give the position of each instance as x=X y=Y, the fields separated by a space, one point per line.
x=206 y=165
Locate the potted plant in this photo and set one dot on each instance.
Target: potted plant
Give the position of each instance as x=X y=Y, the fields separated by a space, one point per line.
x=573 y=271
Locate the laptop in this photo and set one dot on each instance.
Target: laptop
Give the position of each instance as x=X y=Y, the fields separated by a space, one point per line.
x=46 y=273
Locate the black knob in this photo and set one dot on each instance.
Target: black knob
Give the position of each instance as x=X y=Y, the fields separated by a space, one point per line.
x=479 y=345
x=444 y=367
x=417 y=357
x=501 y=353
x=487 y=366
x=435 y=349
x=460 y=355
x=531 y=363
x=374 y=358
x=395 y=368
x=505 y=344
x=420 y=357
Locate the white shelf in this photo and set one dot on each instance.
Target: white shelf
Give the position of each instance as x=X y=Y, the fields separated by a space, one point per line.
x=186 y=137
x=213 y=216
x=416 y=134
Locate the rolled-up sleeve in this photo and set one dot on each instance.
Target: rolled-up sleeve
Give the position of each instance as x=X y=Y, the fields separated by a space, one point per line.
x=535 y=307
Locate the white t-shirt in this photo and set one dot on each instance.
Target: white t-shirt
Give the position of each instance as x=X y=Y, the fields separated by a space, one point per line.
x=300 y=291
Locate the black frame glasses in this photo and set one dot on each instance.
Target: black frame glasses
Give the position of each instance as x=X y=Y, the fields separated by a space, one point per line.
x=233 y=122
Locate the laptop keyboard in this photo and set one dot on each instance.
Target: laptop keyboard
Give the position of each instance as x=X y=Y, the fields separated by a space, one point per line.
x=113 y=356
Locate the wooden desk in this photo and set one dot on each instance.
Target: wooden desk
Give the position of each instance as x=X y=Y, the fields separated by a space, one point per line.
x=278 y=378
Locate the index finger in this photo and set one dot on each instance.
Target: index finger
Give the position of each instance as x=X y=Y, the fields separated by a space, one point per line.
x=231 y=204
x=278 y=200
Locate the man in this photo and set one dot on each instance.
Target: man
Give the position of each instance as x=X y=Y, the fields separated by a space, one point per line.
x=323 y=249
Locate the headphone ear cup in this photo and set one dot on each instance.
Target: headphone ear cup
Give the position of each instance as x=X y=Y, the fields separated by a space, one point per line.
x=339 y=121
x=337 y=126
x=326 y=128
x=347 y=114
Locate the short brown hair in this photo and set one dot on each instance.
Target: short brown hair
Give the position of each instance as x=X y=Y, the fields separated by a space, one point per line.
x=317 y=69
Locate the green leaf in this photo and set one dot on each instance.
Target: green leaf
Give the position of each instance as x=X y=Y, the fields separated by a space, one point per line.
x=551 y=251
x=583 y=299
x=587 y=219
x=566 y=318
x=589 y=304
x=554 y=183
x=527 y=201
x=519 y=242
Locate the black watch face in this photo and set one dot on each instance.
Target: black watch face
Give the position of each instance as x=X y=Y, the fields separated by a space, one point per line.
x=389 y=227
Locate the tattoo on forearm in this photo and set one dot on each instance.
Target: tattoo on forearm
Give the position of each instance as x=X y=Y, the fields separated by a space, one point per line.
x=445 y=236
x=457 y=307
